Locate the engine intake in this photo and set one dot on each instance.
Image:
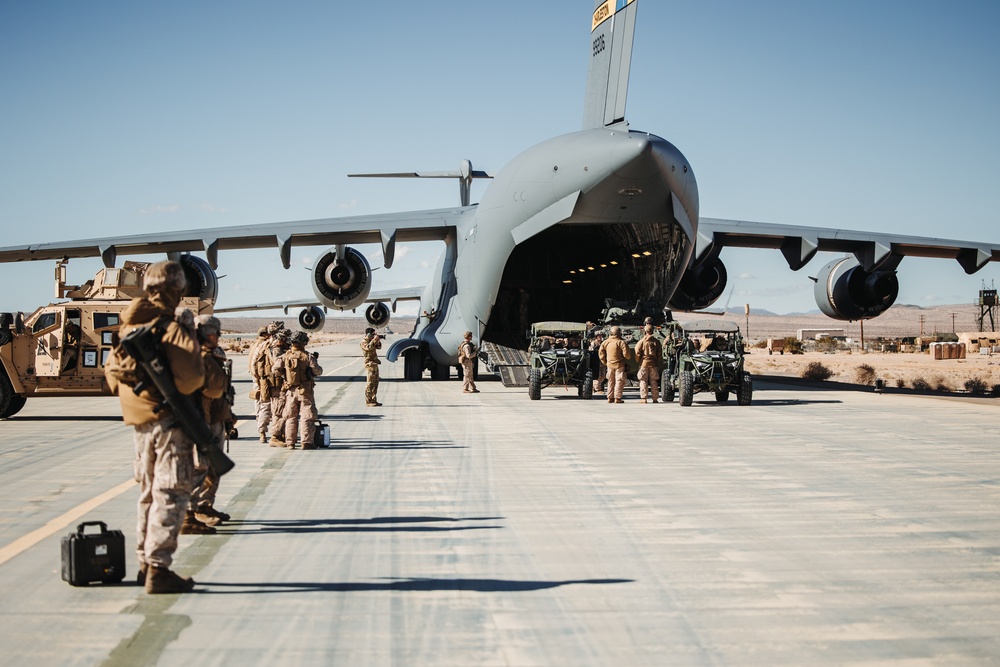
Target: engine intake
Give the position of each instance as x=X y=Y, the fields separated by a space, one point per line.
x=201 y=279
x=845 y=291
x=342 y=282
x=377 y=314
x=700 y=286
x=312 y=318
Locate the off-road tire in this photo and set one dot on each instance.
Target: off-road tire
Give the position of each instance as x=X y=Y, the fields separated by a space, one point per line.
x=10 y=403
x=744 y=393
x=534 y=384
x=666 y=388
x=686 y=382
x=587 y=391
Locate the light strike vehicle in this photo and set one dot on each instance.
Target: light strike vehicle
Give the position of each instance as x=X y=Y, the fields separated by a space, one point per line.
x=60 y=349
x=708 y=357
x=559 y=356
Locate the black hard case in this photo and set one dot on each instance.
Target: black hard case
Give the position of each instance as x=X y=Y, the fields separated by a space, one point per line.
x=88 y=557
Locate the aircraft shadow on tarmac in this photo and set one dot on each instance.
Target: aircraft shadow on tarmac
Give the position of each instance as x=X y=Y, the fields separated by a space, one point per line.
x=375 y=525
x=417 y=585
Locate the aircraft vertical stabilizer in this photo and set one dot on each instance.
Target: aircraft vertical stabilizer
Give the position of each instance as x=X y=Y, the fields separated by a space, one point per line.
x=611 y=55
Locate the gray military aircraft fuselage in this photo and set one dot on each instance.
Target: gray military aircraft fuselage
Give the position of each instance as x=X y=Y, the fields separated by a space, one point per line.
x=593 y=214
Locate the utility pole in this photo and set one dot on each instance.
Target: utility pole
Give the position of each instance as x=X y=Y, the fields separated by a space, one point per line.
x=921 y=326
x=953 y=322
x=746 y=311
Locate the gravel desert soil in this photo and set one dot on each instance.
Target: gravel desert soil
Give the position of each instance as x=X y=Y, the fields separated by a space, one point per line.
x=908 y=370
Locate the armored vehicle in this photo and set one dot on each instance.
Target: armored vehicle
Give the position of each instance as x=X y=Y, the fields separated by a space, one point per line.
x=60 y=349
x=708 y=356
x=559 y=356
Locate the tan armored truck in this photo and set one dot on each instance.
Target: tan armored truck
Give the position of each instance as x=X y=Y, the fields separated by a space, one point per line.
x=60 y=349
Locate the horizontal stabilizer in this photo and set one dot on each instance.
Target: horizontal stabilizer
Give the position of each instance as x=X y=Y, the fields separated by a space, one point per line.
x=465 y=175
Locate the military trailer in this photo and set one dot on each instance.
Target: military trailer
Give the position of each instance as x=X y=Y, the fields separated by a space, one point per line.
x=559 y=356
x=706 y=356
x=60 y=349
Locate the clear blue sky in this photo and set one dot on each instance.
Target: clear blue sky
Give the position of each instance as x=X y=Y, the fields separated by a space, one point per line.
x=124 y=117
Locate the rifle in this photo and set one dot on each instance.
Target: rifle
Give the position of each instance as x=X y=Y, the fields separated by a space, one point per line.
x=143 y=345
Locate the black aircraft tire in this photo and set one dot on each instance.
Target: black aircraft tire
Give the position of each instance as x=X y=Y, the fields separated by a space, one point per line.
x=534 y=385
x=440 y=372
x=744 y=395
x=687 y=388
x=413 y=365
x=722 y=396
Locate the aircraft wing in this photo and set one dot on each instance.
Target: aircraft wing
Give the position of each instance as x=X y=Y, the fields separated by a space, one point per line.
x=386 y=229
x=872 y=250
x=390 y=295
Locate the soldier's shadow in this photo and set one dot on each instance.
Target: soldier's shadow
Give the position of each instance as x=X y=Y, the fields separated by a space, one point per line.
x=416 y=585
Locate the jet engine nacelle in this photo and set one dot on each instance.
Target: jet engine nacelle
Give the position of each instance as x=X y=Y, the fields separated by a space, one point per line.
x=342 y=282
x=700 y=286
x=377 y=314
x=312 y=318
x=845 y=291
x=201 y=279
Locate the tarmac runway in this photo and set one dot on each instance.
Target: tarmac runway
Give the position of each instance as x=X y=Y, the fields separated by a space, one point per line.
x=815 y=527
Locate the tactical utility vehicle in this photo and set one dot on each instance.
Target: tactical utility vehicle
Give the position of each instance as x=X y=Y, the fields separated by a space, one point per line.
x=708 y=356
x=559 y=356
x=60 y=349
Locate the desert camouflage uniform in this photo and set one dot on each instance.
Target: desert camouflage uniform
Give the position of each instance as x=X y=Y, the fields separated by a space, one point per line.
x=613 y=353
x=261 y=404
x=164 y=463
x=649 y=354
x=217 y=413
x=467 y=353
x=370 y=348
x=300 y=402
x=279 y=344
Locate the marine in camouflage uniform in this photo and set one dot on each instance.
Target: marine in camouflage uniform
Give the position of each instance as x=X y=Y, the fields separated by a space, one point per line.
x=649 y=354
x=613 y=353
x=467 y=353
x=217 y=413
x=279 y=345
x=261 y=404
x=164 y=461
x=370 y=346
x=300 y=370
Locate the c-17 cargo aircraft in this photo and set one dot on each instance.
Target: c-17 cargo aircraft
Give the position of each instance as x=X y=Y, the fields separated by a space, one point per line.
x=603 y=212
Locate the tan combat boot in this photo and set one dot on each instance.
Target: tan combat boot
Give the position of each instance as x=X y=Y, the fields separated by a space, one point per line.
x=163 y=580
x=192 y=526
x=140 y=577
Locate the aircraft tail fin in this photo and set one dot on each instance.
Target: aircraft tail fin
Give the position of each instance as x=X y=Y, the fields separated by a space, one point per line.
x=611 y=55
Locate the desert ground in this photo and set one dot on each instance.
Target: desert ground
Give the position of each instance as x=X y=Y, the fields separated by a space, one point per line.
x=898 y=370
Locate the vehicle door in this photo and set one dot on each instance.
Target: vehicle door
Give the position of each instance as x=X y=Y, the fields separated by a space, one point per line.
x=47 y=335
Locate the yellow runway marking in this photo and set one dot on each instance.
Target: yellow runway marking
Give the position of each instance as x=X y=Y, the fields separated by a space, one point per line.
x=59 y=523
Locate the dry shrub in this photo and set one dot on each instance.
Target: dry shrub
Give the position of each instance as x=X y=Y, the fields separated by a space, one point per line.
x=920 y=383
x=900 y=383
x=941 y=384
x=864 y=374
x=816 y=371
x=995 y=391
x=975 y=386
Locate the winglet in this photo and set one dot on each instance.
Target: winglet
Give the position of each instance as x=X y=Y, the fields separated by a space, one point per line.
x=613 y=26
